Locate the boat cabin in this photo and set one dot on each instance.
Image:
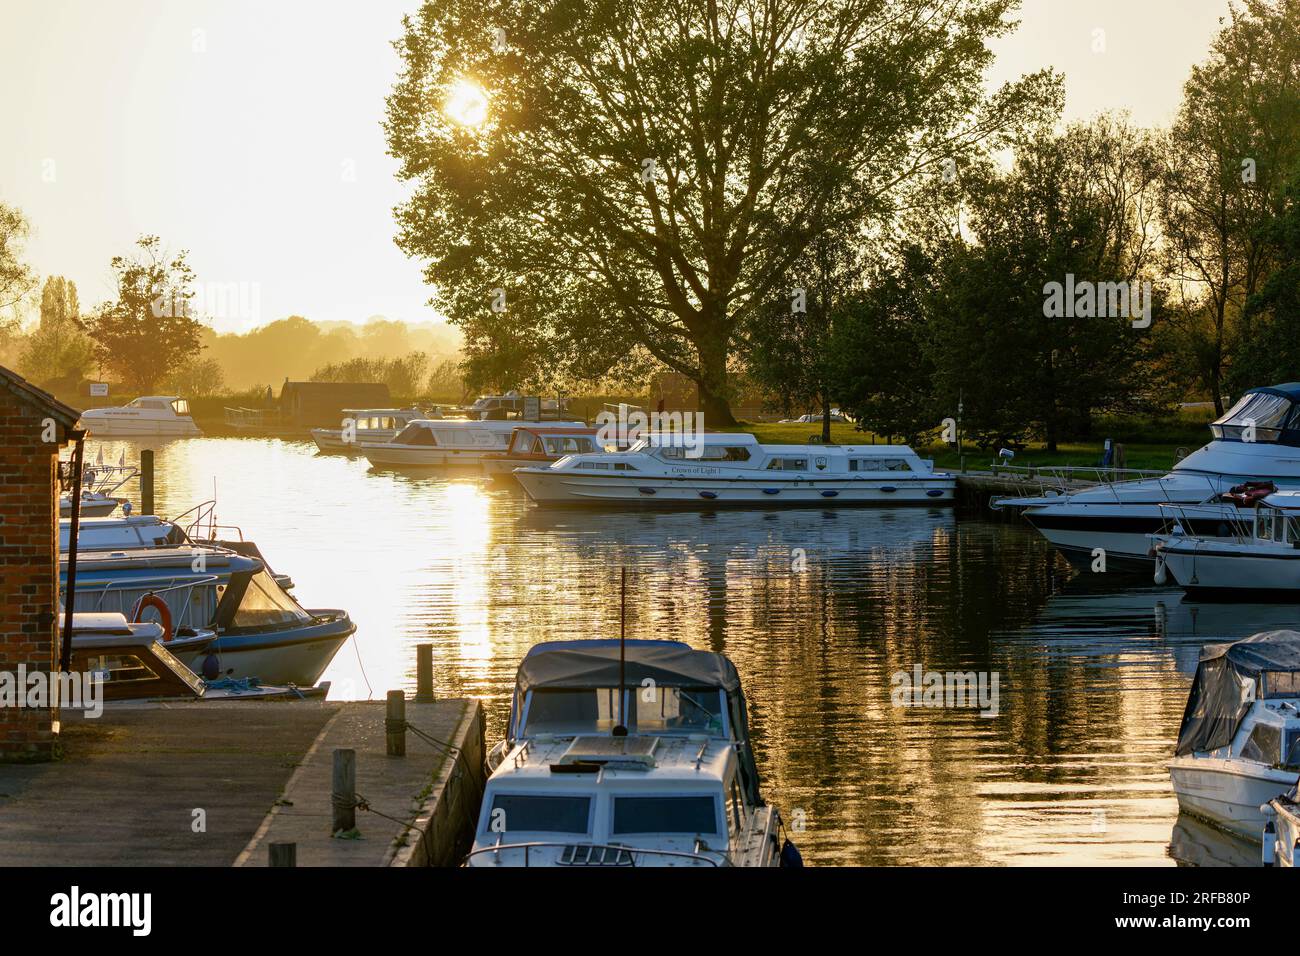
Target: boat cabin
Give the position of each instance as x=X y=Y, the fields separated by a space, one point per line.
x=1244 y=701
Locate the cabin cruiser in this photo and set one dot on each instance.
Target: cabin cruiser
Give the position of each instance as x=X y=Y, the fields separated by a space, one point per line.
x=734 y=469
x=1258 y=439
x=540 y=445
x=1261 y=559
x=149 y=415
x=136 y=663
x=643 y=762
x=261 y=630
x=1239 y=743
x=364 y=424
x=443 y=443
x=128 y=532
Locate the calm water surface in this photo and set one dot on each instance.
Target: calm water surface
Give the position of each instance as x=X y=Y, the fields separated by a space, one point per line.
x=816 y=608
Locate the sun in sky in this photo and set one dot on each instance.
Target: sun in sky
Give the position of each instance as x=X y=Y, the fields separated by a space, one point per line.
x=467 y=103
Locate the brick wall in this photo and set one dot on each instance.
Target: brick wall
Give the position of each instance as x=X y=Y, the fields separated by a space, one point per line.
x=29 y=569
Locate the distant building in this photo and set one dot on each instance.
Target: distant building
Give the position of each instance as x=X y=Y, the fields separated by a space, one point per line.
x=321 y=404
x=34 y=425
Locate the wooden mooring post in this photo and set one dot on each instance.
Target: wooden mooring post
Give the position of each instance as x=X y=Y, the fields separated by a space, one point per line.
x=282 y=854
x=343 y=796
x=424 y=673
x=395 y=724
x=146 y=481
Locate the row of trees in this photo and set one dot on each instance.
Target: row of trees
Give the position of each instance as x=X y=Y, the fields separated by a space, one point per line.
x=823 y=198
x=408 y=376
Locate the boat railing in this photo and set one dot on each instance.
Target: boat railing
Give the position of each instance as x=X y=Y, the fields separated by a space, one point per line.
x=615 y=850
x=1242 y=528
x=203 y=524
x=169 y=584
x=1065 y=478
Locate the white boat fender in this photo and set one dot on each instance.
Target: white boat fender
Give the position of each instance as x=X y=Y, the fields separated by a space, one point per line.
x=1161 y=575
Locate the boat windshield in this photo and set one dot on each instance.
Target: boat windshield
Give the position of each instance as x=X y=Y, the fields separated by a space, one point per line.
x=658 y=710
x=415 y=434
x=265 y=604
x=540 y=813
x=669 y=814
x=181 y=407
x=1258 y=416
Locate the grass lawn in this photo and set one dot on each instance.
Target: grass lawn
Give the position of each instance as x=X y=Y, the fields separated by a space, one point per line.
x=1153 y=455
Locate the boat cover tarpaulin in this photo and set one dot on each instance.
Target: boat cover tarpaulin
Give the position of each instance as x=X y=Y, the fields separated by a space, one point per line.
x=578 y=664
x=1227 y=679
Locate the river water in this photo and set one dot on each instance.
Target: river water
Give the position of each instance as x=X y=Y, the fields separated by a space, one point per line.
x=819 y=609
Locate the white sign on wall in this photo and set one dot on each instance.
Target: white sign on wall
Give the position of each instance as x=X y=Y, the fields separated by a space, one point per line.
x=98 y=389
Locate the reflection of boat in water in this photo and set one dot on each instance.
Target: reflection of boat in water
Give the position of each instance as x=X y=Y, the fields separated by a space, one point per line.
x=1239 y=743
x=629 y=753
x=1195 y=843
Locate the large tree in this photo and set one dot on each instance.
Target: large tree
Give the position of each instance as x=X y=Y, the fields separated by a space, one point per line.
x=1236 y=137
x=57 y=351
x=646 y=174
x=16 y=277
x=148 y=331
x=1074 y=213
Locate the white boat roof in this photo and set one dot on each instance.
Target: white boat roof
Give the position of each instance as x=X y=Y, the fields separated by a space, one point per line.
x=672 y=762
x=382 y=411
x=1284 y=499
x=115 y=624
x=659 y=439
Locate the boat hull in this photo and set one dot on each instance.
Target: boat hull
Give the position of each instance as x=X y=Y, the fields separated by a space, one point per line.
x=292 y=656
x=331 y=439
x=567 y=488
x=125 y=427
x=388 y=456
x=1122 y=531
x=90 y=507
x=1221 y=571
x=1228 y=793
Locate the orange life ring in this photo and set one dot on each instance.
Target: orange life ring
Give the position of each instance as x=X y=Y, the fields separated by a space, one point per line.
x=159 y=605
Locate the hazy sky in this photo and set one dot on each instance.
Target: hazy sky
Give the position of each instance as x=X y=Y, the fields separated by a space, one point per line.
x=248 y=133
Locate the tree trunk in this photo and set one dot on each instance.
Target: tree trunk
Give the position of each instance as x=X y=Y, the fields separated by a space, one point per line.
x=826 y=421
x=712 y=382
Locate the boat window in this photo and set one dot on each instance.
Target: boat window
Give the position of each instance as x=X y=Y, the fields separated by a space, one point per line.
x=545 y=814
x=1265 y=411
x=599 y=465
x=689 y=709
x=571 y=711
x=265 y=604
x=121 y=668
x=415 y=435
x=788 y=464
x=879 y=464
x=697 y=815
x=624 y=466
x=181 y=406
x=1291 y=751
x=724 y=453
x=1281 y=684
x=1264 y=744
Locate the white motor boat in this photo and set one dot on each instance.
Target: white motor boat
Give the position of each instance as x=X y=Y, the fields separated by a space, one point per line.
x=99 y=484
x=1239 y=743
x=1261 y=560
x=1282 y=829
x=364 y=424
x=735 y=470
x=1258 y=439
x=632 y=756
x=443 y=443
x=148 y=416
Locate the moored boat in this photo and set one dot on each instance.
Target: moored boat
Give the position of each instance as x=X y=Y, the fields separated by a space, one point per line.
x=165 y=416
x=631 y=756
x=540 y=444
x=262 y=631
x=1239 y=743
x=1258 y=439
x=364 y=424
x=722 y=470
x=443 y=443
x=1260 y=560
